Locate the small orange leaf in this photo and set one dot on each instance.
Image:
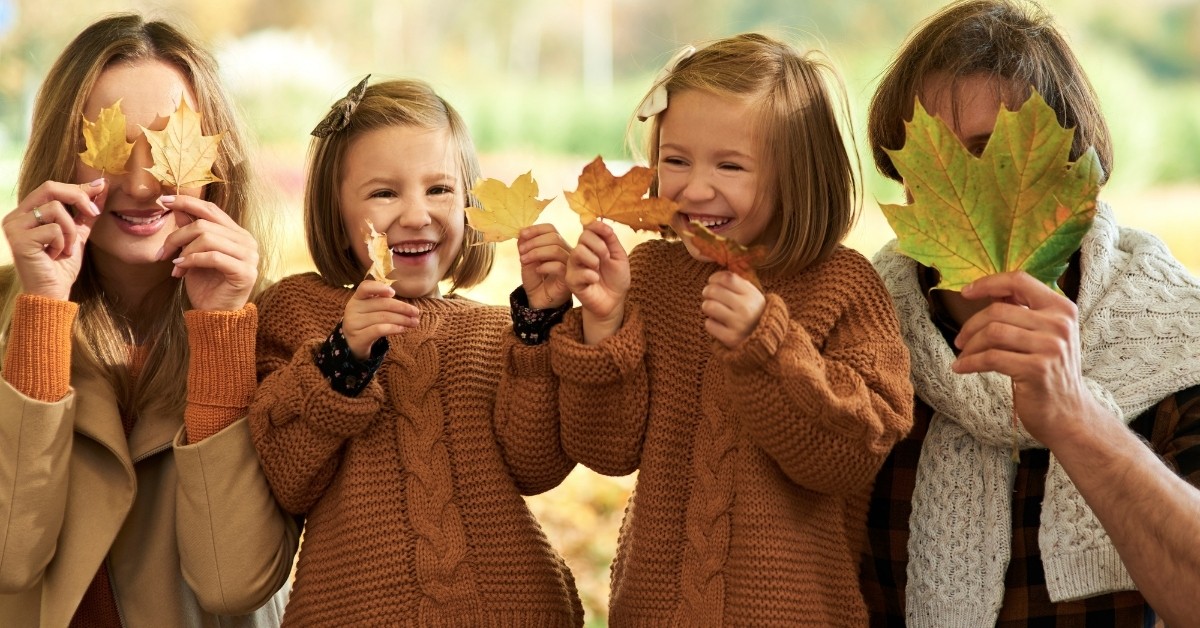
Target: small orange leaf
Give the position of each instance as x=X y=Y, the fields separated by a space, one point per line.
x=619 y=199
x=739 y=259
x=183 y=155
x=381 y=255
x=107 y=150
x=506 y=210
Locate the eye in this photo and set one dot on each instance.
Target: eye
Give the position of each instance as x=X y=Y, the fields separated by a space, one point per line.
x=383 y=193
x=674 y=161
x=731 y=166
x=441 y=189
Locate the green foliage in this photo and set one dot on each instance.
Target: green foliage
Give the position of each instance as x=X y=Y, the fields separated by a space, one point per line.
x=1021 y=205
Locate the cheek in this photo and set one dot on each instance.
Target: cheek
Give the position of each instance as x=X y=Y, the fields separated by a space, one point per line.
x=670 y=184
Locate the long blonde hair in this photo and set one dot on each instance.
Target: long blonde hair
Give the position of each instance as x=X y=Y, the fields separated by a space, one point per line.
x=102 y=336
x=802 y=107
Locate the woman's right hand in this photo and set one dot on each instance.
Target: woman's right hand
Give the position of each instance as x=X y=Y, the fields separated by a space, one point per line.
x=598 y=275
x=372 y=313
x=47 y=241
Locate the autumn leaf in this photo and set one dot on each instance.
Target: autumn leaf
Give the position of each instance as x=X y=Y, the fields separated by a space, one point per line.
x=1021 y=205
x=506 y=210
x=107 y=150
x=183 y=155
x=381 y=255
x=601 y=195
x=738 y=258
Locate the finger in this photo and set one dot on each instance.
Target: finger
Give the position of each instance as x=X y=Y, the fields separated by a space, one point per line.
x=585 y=256
x=198 y=239
x=551 y=269
x=193 y=208
x=720 y=332
x=615 y=250
x=1019 y=287
x=1009 y=338
x=362 y=322
x=1015 y=365
x=1013 y=315
x=544 y=254
x=386 y=306
x=222 y=262
x=718 y=311
x=372 y=289
x=535 y=232
x=52 y=226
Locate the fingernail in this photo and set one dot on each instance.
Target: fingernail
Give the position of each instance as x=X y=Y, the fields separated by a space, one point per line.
x=159 y=254
x=177 y=260
x=94 y=208
x=169 y=198
x=97 y=183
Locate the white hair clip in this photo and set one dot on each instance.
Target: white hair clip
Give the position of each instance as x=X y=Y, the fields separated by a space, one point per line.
x=656 y=101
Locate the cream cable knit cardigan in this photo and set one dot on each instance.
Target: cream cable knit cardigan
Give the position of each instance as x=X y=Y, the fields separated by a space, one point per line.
x=1139 y=317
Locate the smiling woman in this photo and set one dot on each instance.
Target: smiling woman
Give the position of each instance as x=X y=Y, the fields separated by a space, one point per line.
x=109 y=509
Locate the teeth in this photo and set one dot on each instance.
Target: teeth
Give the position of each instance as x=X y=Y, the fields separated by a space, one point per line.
x=412 y=249
x=712 y=222
x=139 y=220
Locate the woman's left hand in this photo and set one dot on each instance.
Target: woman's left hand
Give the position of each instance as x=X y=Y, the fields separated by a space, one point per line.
x=217 y=259
x=544 y=256
x=732 y=308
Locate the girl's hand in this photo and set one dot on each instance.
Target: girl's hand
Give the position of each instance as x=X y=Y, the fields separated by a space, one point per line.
x=544 y=256
x=47 y=241
x=732 y=307
x=598 y=275
x=372 y=313
x=217 y=259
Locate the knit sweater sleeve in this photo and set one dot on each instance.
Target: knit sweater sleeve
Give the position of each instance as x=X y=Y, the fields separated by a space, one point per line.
x=603 y=393
x=298 y=422
x=37 y=359
x=828 y=410
x=220 y=370
x=527 y=420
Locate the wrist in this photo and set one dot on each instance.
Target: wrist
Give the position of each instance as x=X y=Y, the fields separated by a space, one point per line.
x=597 y=328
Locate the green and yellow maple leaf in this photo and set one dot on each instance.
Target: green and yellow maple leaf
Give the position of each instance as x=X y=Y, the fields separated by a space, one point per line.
x=183 y=155
x=104 y=140
x=1020 y=205
x=506 y=209
x=620 y=199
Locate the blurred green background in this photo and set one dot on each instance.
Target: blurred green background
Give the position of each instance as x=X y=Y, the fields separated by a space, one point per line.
x=545 y=85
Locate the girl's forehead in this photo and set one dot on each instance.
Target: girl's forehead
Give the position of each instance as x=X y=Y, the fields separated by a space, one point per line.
x=700 y=116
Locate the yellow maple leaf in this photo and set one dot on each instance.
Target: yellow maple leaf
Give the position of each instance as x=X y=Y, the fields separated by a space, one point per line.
x=183 y=155
x=506 y=210
x=619 y=199
x=107 y=150
x=381 y=255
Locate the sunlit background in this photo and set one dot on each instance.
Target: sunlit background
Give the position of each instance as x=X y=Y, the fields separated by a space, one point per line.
x=546 y=85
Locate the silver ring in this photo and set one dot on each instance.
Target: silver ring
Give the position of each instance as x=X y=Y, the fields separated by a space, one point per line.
x=37 y=215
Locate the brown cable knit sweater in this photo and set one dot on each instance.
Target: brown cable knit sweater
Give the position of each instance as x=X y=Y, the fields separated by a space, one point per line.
x=755 y=464
x=412 y=490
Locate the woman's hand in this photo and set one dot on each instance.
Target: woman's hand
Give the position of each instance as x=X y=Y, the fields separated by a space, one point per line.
x=732 y=308
x=47 y=240
x=598 y=275
x=217 y=259
x=544 y=255
x=372 y=313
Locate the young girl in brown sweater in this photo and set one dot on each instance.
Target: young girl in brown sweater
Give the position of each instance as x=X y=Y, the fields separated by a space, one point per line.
x=377 y=416
x=755 y=417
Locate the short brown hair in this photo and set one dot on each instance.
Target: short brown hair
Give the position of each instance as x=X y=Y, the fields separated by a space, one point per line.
x=1012 y=40
x=813 y=182
x=402 y=102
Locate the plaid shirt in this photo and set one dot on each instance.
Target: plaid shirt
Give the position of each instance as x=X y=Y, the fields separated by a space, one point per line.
x=1173 y=430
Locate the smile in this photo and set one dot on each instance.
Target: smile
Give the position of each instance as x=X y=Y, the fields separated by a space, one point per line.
x=413 y=248
x=141 y=220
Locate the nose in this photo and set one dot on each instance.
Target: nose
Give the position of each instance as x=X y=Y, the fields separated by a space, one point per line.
x=137 y=182
x=414 y=215
x=697 y=188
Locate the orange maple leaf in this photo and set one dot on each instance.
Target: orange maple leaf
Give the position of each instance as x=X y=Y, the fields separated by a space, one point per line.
x=619 y=199
x=381 y=255
x=738 y=258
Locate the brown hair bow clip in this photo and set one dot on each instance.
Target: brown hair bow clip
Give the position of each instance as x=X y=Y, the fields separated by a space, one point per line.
x=339 y=114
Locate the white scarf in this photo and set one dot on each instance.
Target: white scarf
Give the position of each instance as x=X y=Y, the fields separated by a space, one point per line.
x=1139 y=319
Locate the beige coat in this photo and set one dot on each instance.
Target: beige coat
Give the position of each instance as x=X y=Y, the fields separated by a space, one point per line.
x=190 y=532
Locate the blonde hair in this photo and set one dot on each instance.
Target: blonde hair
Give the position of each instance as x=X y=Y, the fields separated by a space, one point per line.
x=103 y=336
x=812 y=178
x=403 y=102
x=1015 y=41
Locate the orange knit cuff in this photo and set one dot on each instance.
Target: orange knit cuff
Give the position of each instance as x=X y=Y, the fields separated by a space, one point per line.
x=37 y=361
x=221 y=376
